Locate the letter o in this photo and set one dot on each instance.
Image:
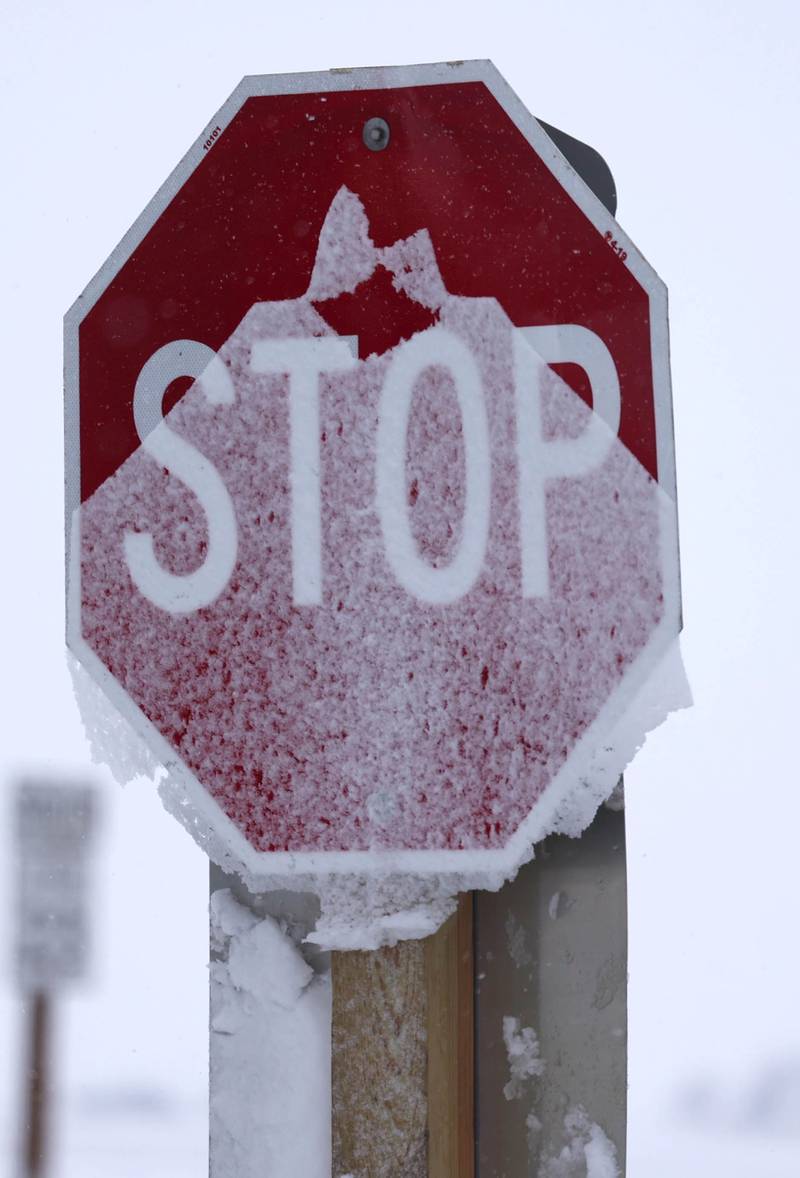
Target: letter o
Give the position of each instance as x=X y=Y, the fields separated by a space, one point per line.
x=439 y=586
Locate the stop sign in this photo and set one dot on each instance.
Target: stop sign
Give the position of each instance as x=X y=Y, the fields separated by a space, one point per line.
x=370 y=491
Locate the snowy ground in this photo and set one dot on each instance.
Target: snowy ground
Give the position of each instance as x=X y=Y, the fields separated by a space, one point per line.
x=172 y=1144
x=126 y=1143
x=673 y=1151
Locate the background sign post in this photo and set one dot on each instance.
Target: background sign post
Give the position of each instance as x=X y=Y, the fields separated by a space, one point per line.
x=53 y=824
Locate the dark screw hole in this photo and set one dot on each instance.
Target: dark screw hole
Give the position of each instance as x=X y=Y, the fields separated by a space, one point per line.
x=376 y=134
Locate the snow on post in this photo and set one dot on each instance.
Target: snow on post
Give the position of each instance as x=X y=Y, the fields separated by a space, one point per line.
x=270 y=1065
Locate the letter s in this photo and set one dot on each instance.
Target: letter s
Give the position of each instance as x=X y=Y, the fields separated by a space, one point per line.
x=173 y=593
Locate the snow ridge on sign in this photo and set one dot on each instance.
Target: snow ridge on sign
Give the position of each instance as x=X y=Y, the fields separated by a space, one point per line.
x=346 y=255
x=374 y=720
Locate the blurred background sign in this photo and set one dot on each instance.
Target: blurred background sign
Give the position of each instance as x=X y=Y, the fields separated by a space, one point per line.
x=54 y=823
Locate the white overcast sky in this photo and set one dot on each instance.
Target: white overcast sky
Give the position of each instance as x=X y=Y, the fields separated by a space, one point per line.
x=695 y=107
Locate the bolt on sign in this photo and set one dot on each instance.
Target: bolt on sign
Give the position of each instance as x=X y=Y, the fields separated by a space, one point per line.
x=371 y=488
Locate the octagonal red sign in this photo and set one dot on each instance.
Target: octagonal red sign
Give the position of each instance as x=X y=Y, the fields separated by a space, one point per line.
x=370 y=484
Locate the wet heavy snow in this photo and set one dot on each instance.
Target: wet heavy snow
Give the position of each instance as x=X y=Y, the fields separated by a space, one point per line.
x=413 y=676
x=270 y=1055
x=524 y=1061
x=588 y=1153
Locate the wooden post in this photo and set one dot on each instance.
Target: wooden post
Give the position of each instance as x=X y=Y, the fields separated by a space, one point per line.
x=451 y=1046
x=403 y=1062
x=36 y=1097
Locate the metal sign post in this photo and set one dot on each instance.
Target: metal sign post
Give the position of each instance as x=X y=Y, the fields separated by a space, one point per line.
x=551 y=963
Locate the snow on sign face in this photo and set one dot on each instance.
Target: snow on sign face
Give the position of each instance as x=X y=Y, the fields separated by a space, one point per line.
x=372 y=526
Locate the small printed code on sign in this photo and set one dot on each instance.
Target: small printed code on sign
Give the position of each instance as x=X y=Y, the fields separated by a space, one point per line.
x=621 y=253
